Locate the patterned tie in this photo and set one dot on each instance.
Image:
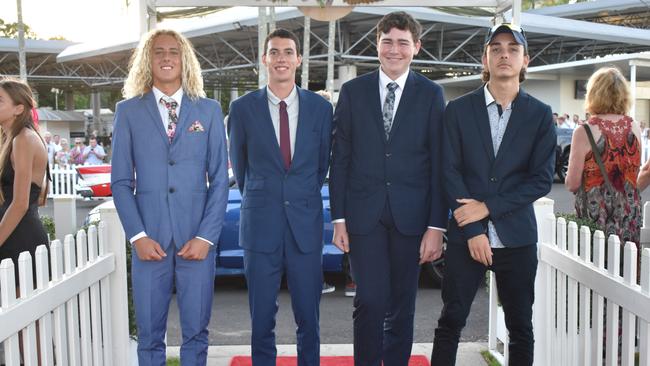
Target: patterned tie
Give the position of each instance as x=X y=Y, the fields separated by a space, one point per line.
x=285 y=140
x=171 y=105
x=389 y=105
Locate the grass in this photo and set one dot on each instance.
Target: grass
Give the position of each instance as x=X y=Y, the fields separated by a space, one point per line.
x=491 y=361
x=173 y=361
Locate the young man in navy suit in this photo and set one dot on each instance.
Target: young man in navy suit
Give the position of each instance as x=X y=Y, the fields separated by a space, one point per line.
x=168 y=144
x=499 y=151
x=280 y=149
x=386 y=196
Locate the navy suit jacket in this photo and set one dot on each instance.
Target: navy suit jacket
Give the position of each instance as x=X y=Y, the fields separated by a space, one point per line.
x=271 y=195
x=367 y=170
x=170 y=199
x=509 y=183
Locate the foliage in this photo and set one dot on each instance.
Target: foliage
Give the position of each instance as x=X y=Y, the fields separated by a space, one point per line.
x=580 y=221
x=536 y=4
x=491 y=361
x=173 y=361
x=48 y=225
x=10 y=30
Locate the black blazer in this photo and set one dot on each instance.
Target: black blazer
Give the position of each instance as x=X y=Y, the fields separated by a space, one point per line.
x=367 y=170
x=521 y=173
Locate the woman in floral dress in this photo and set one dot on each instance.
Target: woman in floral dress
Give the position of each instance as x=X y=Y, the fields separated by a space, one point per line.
x=612 y=200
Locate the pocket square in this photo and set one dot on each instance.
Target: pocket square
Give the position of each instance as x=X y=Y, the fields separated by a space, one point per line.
x=196 y=127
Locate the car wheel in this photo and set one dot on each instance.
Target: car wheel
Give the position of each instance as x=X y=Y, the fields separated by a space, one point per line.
x=435 y=271
x=563 y=165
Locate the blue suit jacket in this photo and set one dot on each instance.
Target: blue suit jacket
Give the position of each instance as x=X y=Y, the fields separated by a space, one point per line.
x=509 y=183
x=172 y=201
x=271 y=195
x=367 y=170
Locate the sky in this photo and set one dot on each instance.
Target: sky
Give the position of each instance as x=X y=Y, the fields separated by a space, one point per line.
x=76 y=20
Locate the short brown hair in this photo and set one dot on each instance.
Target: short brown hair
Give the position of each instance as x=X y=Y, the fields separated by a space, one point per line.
x=402 y=21
x=608 y=92
x=282 y=33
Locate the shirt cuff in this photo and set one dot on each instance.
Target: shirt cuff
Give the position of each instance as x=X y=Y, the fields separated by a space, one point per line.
x=137 y=236
x=338 y=221
x=205 y=240
x=437 y=228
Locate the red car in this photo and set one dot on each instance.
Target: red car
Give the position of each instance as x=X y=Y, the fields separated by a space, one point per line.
x=94 y=180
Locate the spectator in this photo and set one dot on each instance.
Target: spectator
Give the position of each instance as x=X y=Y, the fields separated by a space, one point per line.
x=47 y=136
x=605 y=158
x=56 y=141
x=62 y=157
x=76 y=154
x=576 y=121
x=23 y=173
x=562 y=123
x=555 y=117
x=94 y=154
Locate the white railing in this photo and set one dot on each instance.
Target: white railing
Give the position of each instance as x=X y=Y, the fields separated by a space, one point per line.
x=64 y=181
x=580 y=298
x=78 y=315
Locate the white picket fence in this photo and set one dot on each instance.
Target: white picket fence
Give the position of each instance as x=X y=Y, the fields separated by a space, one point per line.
x=64 y=181
x=78 y=314
x=580 y=296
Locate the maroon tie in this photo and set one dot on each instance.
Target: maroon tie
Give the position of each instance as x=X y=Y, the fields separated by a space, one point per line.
x=285 y=140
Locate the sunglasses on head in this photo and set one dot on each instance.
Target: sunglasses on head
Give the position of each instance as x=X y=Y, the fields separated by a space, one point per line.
x=512 y=27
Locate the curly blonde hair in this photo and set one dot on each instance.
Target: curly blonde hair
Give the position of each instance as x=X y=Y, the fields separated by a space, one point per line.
x=608 y=92
x=140 y=79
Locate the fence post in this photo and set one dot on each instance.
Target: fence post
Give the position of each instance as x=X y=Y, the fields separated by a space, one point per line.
x=116 y=240
x=65 y=216
x=543 y=208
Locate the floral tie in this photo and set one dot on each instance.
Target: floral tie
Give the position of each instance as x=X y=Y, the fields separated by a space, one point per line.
x=389 y=105
x=171 y=106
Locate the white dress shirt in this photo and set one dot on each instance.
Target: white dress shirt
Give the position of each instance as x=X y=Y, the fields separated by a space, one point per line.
x=384 y=80
x=164 y=115
x=292 y=112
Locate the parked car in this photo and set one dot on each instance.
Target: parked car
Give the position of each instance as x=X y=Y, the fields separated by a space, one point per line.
x=94 y=181
x=562 y=150
x=230 y=255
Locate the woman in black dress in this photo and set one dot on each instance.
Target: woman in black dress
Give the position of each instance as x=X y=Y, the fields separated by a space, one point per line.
x=23 y=165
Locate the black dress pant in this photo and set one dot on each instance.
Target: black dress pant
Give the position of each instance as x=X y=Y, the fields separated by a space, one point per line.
x=515 y=270
x=386 y=270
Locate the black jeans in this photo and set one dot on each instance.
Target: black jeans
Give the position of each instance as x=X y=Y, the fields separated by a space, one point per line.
x=515 y=270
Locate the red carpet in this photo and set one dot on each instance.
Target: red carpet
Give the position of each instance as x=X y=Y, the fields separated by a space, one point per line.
x=324 y=361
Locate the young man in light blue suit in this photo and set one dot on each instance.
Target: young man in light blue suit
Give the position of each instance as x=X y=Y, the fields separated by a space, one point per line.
x=279 y=149
x=170 y=186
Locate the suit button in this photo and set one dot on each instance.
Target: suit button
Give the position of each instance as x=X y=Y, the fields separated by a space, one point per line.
x=286 y=203
x=171 y=162
x=387 y=184
x=493 y=179
x=172 y=190
x=388 y=155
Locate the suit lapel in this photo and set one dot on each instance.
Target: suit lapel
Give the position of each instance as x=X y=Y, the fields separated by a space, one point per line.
x=303 y=127
x=519 y=108
x=266 y=126
x=408 y=95
x=483 y=122
x=374 y=102
x=152 y=106
x=187 y=107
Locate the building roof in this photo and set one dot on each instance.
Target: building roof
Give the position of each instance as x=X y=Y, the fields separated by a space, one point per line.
x=50 y=115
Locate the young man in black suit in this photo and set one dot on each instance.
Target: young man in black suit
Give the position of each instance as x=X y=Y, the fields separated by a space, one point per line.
x=498 y=158
x=386 y=196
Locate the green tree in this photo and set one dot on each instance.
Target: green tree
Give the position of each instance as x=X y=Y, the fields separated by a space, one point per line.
x=10 y=30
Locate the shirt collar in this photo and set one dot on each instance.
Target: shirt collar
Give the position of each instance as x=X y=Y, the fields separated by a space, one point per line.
x=489 y=99
x=177 y=96
x=275 y=100
x=401 y=80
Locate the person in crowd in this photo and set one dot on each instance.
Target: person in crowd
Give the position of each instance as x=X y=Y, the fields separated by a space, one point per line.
x=93 y=153
x=605 y=158
x=170 y=185
x=76 y=154
x=62 y=157
x=576 y=121
x=388 y=207
x=51 y=149
x=555 y=119
x=23 y=173
x=280 y=170
x=56 y=141
x=563 y=123
x=499 y=158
